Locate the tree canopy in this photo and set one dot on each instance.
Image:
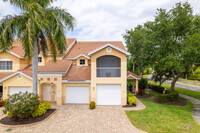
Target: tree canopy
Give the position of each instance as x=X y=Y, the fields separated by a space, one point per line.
x=174 y=37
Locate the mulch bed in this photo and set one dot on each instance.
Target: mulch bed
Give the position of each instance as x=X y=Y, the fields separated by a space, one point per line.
x=8 y=121
x=179 y=102
x=144 y=96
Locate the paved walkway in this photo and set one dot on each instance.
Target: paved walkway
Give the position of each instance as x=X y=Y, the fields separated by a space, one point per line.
x=196 y=111
x=80 y=119
x=140 y=106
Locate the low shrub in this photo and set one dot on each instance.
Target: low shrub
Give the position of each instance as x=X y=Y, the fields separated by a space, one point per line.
x=194 y=77
x=143 y=83
x=46 y=105
x=140 y=91
x=92 y=105
x=2 y=103
x=42 y=109
x=132 y=100
x=157 y=88
x=172 y=96
x=21 y=105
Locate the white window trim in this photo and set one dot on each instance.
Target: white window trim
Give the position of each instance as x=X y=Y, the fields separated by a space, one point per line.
x=7 y=60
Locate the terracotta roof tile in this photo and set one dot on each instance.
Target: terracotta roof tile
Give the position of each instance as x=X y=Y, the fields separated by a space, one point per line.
x=133 y=74
x=58 y=66
x=3 y=75
x=86 y=47
x=78 y=73
x=18 y=48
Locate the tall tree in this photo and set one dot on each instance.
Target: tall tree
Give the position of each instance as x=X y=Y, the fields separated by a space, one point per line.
x=36 y=23
x=137 y=45
x=175 y=36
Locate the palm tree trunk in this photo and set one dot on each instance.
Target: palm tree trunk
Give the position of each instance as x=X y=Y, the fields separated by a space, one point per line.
x=35 y=66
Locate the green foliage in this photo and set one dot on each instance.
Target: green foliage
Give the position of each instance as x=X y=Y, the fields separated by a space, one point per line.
x=194 y=77
x=2 y=103
x=173 y=96
x=157 y=88
x=42 y=109
x=21 y=105
x=38 y=21
x=143 y=83
x=92 y=105
x=172 y=40
x=46 y=105
x=132 y=100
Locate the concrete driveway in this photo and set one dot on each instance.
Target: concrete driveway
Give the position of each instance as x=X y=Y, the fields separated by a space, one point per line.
x=79 y=119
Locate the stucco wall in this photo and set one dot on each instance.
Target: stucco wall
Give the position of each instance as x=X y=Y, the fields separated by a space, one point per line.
x=14 y=59
x=113 y=80
x=56 y=81
x=14 y=81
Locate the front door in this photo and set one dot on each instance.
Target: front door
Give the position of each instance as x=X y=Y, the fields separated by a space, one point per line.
x=47 y=92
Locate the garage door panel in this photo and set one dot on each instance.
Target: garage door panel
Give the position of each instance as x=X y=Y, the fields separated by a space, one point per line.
x=108 y=95
x=14 y=90
x=77 y=95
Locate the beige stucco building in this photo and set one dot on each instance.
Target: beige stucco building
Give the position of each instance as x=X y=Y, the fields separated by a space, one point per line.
x=88 y=71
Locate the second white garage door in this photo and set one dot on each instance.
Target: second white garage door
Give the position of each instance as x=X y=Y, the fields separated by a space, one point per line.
x=14 y=90
x=108 y=95
x=77 y=94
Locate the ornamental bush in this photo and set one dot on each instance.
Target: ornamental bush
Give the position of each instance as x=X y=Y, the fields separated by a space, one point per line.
x=140 y=91
x=42 y=109
x=172 y=96
x=2 y=103
x=157 y=88
x=143 y=83
x=132 y=100
x=92 y=105
x=21 y=105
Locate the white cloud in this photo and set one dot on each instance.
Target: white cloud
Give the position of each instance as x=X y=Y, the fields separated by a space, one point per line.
x=6 y=9
x=107 y=19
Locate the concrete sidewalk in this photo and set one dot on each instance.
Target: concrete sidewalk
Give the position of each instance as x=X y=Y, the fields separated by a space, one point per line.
x=196 y=110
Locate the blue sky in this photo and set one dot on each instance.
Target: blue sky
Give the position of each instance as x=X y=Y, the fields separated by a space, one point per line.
x=107 y=19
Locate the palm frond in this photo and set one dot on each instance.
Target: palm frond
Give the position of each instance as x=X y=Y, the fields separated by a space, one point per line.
x=66 y=18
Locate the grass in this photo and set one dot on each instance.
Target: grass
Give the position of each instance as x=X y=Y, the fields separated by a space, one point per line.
x=182 y=91
x=164 y=118
x=194 y=81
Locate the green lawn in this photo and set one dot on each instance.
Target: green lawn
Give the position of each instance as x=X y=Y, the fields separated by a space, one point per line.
x=182 y=91
x=164 y=118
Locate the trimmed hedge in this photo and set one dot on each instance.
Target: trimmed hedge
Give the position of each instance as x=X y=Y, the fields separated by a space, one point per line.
x=173 y=96
x=157 y=88
x=92 y=105
x=42 y=109
x=131 y=100
x=143 y=83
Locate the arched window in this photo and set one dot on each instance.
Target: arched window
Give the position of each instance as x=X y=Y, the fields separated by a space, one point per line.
x=108 y=66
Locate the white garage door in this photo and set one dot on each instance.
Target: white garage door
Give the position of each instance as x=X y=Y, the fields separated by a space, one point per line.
x=108 y=95
x=14 y=90
x=77 y=94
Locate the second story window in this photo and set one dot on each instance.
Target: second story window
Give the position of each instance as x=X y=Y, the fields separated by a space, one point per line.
x=5 y=65
x=82 y=61
x=39 y=59
x=108 y=66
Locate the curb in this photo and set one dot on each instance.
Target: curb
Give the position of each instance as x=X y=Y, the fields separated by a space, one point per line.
x=31 y=124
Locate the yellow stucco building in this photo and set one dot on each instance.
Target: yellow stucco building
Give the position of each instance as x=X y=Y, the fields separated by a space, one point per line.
x=88 y=71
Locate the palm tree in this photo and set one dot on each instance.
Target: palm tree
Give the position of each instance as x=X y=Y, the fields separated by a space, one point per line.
x=37 y=22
